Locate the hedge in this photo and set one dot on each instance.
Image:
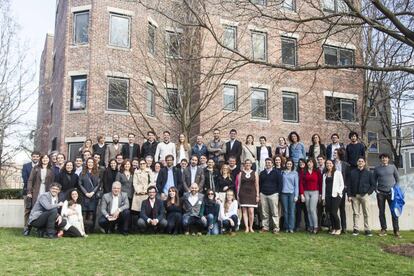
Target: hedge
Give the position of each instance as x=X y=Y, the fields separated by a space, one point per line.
x=11 y=194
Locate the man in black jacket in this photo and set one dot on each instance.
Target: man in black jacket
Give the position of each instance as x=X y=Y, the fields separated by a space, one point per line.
x=270 y=186
x=131 y=150
x=152 y=214
x=168 y=177
x=233 y=147
x=150 y=146
x=361 y=184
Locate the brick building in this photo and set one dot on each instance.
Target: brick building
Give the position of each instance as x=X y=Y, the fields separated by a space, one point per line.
x=105 y=56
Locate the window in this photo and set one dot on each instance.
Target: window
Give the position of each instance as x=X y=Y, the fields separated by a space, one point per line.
x=172 y=102
x=338 y=56
x=54 y=144
x=338 y=109
x=259 y=41
x=151 y=38
x=150 y=100
x=230 y=37
x=118 y=94
x=373 y=109
x=290 y=107
x=373 y=142
x=259 y=103
x=119 y=31
x=51 y=113
x=73 y=150
x=230 y=97
x=79 y=92
x=288 y=51
x=334 y=6
x=289 y=5
x=259 y=2
x=412 y=160
x=173 y=44
x=80 y=27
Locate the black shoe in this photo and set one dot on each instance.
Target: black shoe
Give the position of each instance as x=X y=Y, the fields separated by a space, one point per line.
x=26 y=231
x=355 y=232
x=343 y=232
x=368 y=233
x=40 y=233
x=124 y=233
x=50 y=236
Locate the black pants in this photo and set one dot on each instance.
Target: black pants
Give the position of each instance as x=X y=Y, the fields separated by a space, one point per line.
x=381 y=198
x=47 y=221
x=89 y=218
x=174 y=223
x=122 y=222
x=342 y=212
x=192 y=221
x=72 y=232
x=332 y=206
x=301 y=207
x=225 y=224
x=144 y=226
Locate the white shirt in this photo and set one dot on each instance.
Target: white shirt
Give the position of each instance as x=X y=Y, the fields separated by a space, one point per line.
x=193 y=199
x=193 y=173
x=115 y=203
x=230 y=212
x=264 y=153
x=231 y=143
x=78 y=171
x=334 y=147
x=163 y=150
x=182 y=154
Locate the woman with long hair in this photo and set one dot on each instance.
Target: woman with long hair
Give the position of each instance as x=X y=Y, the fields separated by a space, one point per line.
x=143 y=179
x=72 y=212
x=289 y=195
x=343 y=167
x=209 y=212
x=125 y=176
x=249 y=151
x=89 y=184
x=228 y=213
x=282 y=147
x=225 y=182
x=109 y=176
x=68 y=179
x=87 y=146
x=301 y=206
x=296 y=147
x=316 y=148
x=40 y=178
x=182 y=148
x=174 y=211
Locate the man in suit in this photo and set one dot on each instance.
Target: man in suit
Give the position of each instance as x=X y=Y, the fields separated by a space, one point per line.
x=233 y=147
x=100 y=148
x=44 y=215
x=192 y=203
x=152 y=214
x=193 y=174
x=115 y=210
x=113 y=149
x=150 y=146
x=131 y=150
x=169 y=176
x=26 y=170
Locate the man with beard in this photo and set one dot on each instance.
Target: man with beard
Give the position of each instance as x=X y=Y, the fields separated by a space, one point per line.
x=113 y=149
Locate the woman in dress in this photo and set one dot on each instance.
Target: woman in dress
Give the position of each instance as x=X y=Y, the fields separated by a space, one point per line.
x=225 y=182
x=40 y=179
x=109 y=176
x=248 y=192
x=182 y=148
x=68 y=179
x=72 y=212
x=125 y=176
x=174 y=211
x=143 y=178
x=249 y=151
x=89 y=185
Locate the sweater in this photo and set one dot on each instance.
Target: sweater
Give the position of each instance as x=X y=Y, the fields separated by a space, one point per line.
x=230 y=212
x=353 y=152
x=311 y=182
x=385 y=177
x=270 y=183
x=164 y=149
x=291 y=183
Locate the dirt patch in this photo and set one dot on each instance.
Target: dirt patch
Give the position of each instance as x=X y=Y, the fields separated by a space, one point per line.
x=401 y=249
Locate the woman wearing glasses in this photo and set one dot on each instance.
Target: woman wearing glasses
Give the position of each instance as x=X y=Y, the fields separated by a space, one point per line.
x=209 y=213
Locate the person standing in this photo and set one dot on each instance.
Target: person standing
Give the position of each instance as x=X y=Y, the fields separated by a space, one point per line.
x=343 y=167
x=289 y=195
x=361 y=186
x=40 y=179
x=332 y=188
x=317 y=148
x=149 y=147
x=26 y=170
x=86 y=146
x=165 y=148
x=193 y=174
x=125 y=176
x=168 y=177
x=296 y=148
x=330 y=149
x=270 y=186
x=109 y=176
x=112 y=150
x=385 y=177
x=263 y=152
x=249 y=151
x=132 y=149
x=282 y=148
x=354 y=150
x=233 y=147
x=68 y=179
x=211 y=176
x=199 y=148
x=225 y=182
x=248 y=194
x=143 y=179
x=301 y=206
x=183 y=149
x=100 y=148
x=215 y=148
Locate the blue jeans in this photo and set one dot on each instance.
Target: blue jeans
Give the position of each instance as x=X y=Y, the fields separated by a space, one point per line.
x=210 y=221
x=189 y=221
x=288 y=202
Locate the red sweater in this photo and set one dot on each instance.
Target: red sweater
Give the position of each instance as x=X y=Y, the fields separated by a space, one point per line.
x=310 y=182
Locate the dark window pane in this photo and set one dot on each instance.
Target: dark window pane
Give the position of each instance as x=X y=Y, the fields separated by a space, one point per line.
x=289 y=51
x=150 y=100
x=81 y=24
x=347 y=110
x=118 y=94
x=173 y=44
x=229 y=97
x=332 y=108
x=259 y=104
x=151 y=38
x=290 y=112
x=172 y=102
x=330 y=54
x=346 y=57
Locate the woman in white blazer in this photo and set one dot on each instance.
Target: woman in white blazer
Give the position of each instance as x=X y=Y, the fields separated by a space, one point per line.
x=332 y=187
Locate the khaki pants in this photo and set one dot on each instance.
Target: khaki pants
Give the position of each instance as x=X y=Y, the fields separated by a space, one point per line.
x=357 y=202
x=269 y=206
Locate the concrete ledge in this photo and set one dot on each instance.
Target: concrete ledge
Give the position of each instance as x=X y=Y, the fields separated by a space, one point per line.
x=11 y=213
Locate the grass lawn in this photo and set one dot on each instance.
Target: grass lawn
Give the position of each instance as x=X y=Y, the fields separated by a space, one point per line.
x=244 y=254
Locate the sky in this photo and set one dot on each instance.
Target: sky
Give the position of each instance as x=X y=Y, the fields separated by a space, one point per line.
x=35 y=18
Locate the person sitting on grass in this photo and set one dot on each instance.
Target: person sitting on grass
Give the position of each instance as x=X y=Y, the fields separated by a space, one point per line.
x=228 y=213
x=192 y=202
x=152 y=216
x=209 y=213
x=72 y=213
x=44 y=215
x=115 y=210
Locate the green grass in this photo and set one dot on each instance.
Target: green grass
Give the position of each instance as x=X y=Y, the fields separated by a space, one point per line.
x=244 y=254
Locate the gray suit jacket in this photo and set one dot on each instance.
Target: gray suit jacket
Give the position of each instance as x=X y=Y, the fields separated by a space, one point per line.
x=199 y=178
x=111 y=152
x=106 y=203
x=192 y=210
x=43 y=204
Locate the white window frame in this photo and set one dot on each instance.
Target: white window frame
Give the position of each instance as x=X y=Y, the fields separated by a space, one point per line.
x=234 y=28
x=74 y=78
x=112 y=14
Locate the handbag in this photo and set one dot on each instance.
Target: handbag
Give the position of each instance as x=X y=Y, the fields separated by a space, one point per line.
x=325 y=220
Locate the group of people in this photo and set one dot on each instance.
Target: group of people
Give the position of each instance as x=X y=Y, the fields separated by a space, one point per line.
x=214 y=187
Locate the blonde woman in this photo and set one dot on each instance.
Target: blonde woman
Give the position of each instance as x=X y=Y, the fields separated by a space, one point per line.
x=143 y=179
x=228 y=213
x=87 y=146
x=225 y=182
x=183 y=148
x=249 y=151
